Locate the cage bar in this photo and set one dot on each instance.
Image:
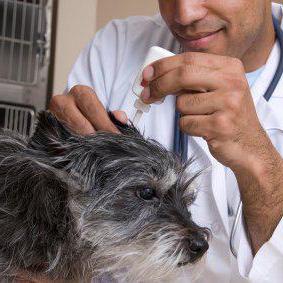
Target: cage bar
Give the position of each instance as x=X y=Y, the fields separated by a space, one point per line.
x=17 y=118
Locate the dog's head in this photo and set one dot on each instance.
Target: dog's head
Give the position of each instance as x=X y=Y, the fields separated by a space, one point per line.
x=129 y=198
x=136 y=195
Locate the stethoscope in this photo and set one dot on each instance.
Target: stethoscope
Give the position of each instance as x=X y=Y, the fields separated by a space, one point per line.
x=181 y=139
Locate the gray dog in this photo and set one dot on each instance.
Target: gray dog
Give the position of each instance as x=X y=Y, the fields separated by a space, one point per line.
x=74 y=207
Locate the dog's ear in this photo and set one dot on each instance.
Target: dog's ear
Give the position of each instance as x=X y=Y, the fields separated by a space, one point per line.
x=126 y=129
x=53 y=138
x=34 y=215
x=50 y=135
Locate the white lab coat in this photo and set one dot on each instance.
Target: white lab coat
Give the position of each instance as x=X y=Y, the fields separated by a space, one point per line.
x=110 y=63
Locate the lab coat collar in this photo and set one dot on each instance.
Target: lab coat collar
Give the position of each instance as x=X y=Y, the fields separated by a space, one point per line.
x=264 y=110
x=267 y=116
x=263 y=81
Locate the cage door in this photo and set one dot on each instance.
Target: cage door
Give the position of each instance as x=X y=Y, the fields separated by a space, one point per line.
x=22 y=40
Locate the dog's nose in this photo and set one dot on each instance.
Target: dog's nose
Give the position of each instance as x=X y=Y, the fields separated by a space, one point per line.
x=197 y=248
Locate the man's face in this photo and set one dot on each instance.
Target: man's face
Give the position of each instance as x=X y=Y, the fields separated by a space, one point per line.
x=224 y=27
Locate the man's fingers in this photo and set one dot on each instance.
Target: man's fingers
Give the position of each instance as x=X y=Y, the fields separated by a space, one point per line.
x=120 y=116
x=82 y=111
x=94 y=111
x=198 y=103
x=196 y=125
x=64 y=108
x=163 y=66
x=187 y=77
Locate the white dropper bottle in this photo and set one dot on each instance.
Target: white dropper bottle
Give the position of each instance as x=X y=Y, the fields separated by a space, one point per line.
x=155 y=53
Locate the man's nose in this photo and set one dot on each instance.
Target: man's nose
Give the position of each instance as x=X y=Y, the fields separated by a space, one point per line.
x=189 y=11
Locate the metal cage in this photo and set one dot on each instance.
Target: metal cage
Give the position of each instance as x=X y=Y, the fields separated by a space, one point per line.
x=18 y=118
x=25 y=40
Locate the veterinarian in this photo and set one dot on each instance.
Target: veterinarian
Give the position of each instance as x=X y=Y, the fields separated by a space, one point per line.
x=228 y=56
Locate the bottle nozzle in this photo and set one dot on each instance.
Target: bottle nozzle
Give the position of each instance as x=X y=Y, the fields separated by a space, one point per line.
x=141 y=108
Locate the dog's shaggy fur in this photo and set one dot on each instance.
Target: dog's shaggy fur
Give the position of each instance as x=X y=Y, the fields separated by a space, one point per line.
x=73 y=207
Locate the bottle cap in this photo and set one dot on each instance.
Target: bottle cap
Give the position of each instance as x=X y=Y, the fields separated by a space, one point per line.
x=155 y=53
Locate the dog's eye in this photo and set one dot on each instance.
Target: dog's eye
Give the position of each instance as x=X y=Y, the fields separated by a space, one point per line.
x=146 y=193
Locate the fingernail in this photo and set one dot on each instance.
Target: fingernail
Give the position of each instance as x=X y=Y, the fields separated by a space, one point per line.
x=144 y=83
x=145 y=93
x=123 y=117
x=148 y=73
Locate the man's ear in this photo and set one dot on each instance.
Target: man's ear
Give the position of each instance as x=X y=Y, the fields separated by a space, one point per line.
x=126 y=129
x=50 y=135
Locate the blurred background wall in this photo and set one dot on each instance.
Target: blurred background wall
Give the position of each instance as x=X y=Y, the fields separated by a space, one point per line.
x=77 y=22
x=76 y=25
x=111 y=9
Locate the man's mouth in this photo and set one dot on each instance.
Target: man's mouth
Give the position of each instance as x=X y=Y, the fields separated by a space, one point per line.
x=199 y=40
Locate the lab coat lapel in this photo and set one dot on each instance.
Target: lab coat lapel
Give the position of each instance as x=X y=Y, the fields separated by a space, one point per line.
x=263 y=81
x=267 y=116
x=266 y=111
x=218 y=183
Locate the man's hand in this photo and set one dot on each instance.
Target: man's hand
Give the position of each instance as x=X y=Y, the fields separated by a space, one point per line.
x=215 y=102
x=214 y=99
x=82 y=111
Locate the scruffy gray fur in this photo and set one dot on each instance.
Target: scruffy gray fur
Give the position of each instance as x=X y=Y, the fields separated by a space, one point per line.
x=74 y=207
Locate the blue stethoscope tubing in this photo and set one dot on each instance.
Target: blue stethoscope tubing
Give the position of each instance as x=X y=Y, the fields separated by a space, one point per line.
x=181 y=139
